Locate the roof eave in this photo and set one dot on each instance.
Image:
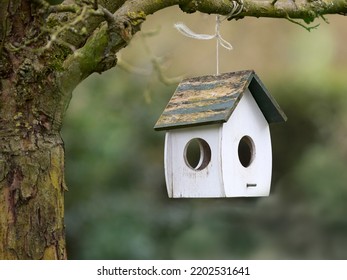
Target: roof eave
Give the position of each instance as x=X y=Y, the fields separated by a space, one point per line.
x=186 y=125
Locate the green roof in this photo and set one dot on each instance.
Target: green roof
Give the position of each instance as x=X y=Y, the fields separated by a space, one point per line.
x=212 y=99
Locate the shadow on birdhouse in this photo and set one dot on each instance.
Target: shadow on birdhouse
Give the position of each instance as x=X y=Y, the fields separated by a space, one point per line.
x=218 y=140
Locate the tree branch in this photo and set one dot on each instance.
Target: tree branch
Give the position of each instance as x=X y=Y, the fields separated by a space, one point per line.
x=99 y=52
x=251 y=8
x=306 y=10
x=94 y=19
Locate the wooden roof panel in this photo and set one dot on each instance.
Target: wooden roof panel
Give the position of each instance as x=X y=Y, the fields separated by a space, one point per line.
x=212 y=99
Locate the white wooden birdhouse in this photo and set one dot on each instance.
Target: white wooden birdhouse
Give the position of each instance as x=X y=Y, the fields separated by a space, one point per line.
x=217 y=136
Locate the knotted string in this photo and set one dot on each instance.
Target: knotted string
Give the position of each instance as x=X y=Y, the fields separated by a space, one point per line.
x=183 y=29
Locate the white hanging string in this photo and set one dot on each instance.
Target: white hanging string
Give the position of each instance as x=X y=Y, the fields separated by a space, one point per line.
x=183 y=29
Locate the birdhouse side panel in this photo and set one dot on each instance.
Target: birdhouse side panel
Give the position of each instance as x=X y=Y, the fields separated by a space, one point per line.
x=246 y=151
x=199 y=176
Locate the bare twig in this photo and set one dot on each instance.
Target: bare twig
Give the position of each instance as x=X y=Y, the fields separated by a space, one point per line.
x=308 y=28
x=63 y=9
x=54 y=37
x=109 y=17
x=325 y=19
x=122 y=64
x=157 y=65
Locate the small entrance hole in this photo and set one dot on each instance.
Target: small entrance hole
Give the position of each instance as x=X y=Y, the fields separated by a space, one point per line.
x=246 y=151
x=197 y=154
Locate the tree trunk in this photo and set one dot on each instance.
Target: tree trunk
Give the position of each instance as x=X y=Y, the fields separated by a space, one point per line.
x=32 y=197
x=31 y=149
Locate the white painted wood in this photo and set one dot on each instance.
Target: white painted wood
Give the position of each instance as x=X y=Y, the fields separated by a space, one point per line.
x=168 y=164
x=247 y=120
x=224 y=176
x=182 y=180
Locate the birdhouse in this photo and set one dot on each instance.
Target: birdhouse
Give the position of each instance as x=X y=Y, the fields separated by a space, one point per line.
x=218 y=140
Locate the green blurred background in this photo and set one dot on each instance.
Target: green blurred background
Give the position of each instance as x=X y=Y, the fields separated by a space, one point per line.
x=117 y=206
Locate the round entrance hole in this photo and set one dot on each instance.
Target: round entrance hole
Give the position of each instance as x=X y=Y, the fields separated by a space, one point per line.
x=246 y=151
x=197 y=154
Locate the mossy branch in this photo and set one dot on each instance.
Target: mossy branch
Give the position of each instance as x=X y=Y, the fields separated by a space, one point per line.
x=99 y=52
x=251 y=8
x=306 y=10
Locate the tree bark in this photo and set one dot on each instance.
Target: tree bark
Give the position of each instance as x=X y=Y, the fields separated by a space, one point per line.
x=32 y=106
x=32 y=197
x=45 y=52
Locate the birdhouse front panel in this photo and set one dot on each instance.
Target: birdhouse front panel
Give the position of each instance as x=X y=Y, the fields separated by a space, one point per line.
x=246 y=151
x=194 y=154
